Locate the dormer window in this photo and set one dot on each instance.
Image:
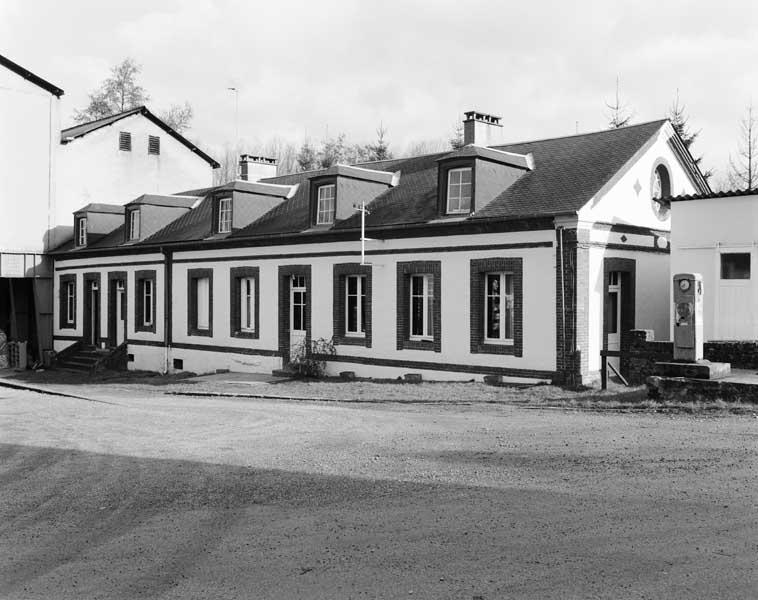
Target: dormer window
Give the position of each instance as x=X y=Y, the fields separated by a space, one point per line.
x=81 y=231
x=326 y=205
x=224 y=215
x=459 y=191
x=134 y=222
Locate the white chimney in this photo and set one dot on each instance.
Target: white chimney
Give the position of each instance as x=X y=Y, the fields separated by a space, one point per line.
x=255 y=168
x=482 y=129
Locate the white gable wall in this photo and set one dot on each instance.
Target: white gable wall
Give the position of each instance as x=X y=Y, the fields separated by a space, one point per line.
x=93 y=169
x=30 y=126
x=627 y=198
x=702 y=231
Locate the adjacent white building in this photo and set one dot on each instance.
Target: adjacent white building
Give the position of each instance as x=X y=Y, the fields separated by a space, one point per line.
x=716 y=235
x=115 y=159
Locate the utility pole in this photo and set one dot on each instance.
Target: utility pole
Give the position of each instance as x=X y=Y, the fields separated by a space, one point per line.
x=364 y=239
x=236 y=115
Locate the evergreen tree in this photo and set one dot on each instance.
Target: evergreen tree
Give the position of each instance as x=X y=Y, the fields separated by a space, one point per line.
x=456 y=141
x=679 y=121
x=620 y=115
x=333 y=151
x=380 y=149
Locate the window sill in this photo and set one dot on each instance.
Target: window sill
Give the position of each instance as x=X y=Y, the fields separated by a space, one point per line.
x=200 y=332
x=419 y=344
x=249 y=335
x=496 y=348
x=144 y=328
x=352 y=340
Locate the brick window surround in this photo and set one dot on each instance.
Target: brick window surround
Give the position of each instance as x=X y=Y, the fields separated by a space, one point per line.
x=443 y=170
x=403 y=307
x=139 y=289
x=236 y=274
x=341 y=271
x=285 y=274
x=63 y=301
x=477 y=271
x=193 y=275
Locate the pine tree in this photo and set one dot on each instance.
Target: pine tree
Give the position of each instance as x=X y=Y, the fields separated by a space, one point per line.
x=380 y=149
x=456 y=142
x=306 y=158
x=620 y=115
x=679 y=121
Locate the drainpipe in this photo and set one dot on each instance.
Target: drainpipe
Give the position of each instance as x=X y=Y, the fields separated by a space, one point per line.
x=563 y=297
x=167 y=305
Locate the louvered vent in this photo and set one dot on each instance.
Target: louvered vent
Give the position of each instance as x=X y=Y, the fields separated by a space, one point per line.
x=153 y=144
x=125 y=141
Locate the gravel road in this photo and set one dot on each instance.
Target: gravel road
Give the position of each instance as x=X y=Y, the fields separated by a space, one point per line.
x=141 y=495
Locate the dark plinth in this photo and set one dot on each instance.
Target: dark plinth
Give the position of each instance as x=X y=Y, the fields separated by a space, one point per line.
x=702 y=369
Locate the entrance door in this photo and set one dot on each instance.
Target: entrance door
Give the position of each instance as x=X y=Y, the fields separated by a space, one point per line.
x=298 y=312
x=613 y=308
x=92 y=313
x=120 y=312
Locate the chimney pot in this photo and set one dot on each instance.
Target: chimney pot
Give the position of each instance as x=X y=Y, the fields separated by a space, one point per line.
x=482 y=129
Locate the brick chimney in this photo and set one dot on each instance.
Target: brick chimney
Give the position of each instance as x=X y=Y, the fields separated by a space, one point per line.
x=482 y=129
x=254 y=168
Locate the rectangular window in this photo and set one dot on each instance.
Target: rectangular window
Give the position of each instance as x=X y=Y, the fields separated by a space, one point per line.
x=498 y=308
x=459 y=190
x=735 y=265
x=224 y=215
x=67 y=302
x=81 y=231
x=70 y=303
x=244 y=294
x=355 y=305
x=299 y=303
x=351 y=308
x=200 y=302
x=134 y=222
x=125 y=141
x=325 y=206
x=145 y=291
x=153 y=144
x=421 y=306
x=148 y=293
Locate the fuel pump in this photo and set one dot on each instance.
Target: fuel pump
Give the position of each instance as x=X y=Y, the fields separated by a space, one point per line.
x=688 y=317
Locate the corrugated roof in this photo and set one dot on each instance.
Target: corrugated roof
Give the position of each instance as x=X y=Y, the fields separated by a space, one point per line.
x=80 y=130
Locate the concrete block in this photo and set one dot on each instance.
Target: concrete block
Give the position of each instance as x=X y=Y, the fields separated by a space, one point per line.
x=493 y=379
x=412 y=378
x=348 y=375
x=702 y=369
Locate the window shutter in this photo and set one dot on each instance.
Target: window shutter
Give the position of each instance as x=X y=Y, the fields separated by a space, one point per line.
x=125 y=141
x=153 y=144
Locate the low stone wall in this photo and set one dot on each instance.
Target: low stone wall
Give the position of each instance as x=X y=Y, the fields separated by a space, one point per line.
x=679 y=389
x=642 y=352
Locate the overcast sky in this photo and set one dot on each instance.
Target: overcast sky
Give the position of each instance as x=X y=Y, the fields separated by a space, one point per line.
x=305 y=68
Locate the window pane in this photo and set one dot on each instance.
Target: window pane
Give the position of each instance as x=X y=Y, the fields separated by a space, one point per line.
x=493 y=317
x=735 y=265
x=363 y=304
x=613 y=309
x=203 y=303
x=466 y=176
x=352 y=314
x=429 y=313
x=417 y=315
x=352 y=285
x=417 y=285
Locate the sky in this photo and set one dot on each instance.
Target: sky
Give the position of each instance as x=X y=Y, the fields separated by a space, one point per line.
x=312 y=69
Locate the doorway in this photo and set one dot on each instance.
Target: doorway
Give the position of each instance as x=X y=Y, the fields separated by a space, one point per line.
x=619 y=287
x=117 y=309
x=91 y=309
x=295 y=309
x=613 y=309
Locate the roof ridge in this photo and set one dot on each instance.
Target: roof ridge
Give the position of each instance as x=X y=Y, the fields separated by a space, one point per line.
x=577 y=135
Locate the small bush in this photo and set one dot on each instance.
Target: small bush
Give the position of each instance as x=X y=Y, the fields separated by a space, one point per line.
x=311 y=362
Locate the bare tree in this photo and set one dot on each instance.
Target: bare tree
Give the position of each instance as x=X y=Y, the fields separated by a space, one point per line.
x=425 y=147
x=116 y=94
x=620 y=115
x=178 y=117
x=743 y=171
x=680 y=122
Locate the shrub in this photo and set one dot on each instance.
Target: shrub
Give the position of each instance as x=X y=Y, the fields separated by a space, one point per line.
x=311 y=362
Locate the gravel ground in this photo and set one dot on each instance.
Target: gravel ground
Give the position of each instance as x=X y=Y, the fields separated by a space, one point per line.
x=139 y=494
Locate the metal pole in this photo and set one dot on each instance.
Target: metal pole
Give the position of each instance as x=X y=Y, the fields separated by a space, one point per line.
x=363 y=232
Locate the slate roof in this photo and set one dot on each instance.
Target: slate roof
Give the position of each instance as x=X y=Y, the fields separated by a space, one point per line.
x=98 y=207
x=183 y=201
x=568 y=172
x=29 y=76
x=715 y=195
x=78 y=131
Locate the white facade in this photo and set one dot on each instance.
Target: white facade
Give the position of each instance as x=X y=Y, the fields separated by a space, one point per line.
x=705 y=232
x=93 y=169
x=29 y=134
